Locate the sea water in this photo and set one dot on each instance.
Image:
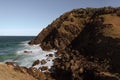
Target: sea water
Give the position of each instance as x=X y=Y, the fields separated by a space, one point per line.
x=17 y=50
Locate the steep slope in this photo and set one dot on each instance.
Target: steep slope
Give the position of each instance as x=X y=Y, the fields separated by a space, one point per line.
x=7 y=72
x=52 y=36
x=88 y=44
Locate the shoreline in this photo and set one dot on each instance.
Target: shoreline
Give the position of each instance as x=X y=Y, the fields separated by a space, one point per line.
x=86 y=43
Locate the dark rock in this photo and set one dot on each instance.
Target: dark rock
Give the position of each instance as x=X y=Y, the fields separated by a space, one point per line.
x=27 y=51
x=50 y=55
x=43 y=62
x=43 y=68
x=36 y=63
x=36 y=73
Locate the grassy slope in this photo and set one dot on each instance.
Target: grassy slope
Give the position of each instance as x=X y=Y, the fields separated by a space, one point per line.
x=7 y=72
x=114 y=32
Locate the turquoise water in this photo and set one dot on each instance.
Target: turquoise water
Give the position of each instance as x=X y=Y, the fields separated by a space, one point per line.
x=9 y=45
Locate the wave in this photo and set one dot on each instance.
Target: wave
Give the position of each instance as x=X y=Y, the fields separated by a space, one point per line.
x=26 y=54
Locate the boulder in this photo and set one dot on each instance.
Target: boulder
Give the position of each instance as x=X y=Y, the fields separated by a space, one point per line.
x=36 y=63
x=36 y=73
x=43 y=62
x=43 y=68
x=27 y=51
x=50 y=55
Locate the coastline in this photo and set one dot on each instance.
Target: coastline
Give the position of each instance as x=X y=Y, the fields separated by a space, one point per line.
x=84 y=47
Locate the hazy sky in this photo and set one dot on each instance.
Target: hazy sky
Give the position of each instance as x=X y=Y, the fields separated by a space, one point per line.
x=28 y=17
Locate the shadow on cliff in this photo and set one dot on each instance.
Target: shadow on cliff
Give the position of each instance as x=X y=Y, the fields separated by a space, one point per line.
x=94 y=45
x=60 y=74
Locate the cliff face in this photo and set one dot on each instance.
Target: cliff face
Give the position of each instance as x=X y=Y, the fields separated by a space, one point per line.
x=67 y=27
x=88 y=43
x=61 y=32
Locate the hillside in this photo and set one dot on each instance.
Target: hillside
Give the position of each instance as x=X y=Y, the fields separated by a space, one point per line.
x=8 y=72
x=88 y=44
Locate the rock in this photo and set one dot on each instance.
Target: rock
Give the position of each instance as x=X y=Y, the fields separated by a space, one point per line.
x=71 y=61
x=20 y=69
x=50 y=55
x=36 y=63
x=67 y=65
x=81 y=70
x=48 y=59
x=9 y=63
x=43 y=68
x=36 y=73
x=31 y=70
x=56 y=63
x=27 y=51
x=43 y=62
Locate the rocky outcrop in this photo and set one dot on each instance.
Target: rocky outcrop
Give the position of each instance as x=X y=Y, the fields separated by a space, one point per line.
x=67 y=27
x=52 y=36
x=88 y=44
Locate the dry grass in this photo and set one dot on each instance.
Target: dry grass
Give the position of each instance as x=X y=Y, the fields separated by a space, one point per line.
x=114 y=31
x=7 y=72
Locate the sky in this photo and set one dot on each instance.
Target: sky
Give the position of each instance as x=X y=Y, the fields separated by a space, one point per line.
x=29 y=17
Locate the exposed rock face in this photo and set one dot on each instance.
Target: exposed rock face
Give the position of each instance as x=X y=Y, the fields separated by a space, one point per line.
x=52 y=36
x=88 y=44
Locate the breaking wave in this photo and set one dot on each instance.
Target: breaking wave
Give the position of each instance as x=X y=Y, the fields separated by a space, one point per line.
x=26 y=54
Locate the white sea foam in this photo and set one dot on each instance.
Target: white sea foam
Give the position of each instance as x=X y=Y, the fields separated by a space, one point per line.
x=26 y=55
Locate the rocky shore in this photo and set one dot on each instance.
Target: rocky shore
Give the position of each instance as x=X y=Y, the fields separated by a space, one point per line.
x=87 y=43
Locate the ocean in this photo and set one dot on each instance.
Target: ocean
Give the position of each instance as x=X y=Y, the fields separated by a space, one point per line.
x=17 y=50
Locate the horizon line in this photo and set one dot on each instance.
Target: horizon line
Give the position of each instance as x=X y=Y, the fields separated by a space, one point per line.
x=18 y=35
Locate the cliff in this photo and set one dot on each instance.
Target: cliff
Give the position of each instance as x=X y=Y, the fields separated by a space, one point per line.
x=88 y=44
